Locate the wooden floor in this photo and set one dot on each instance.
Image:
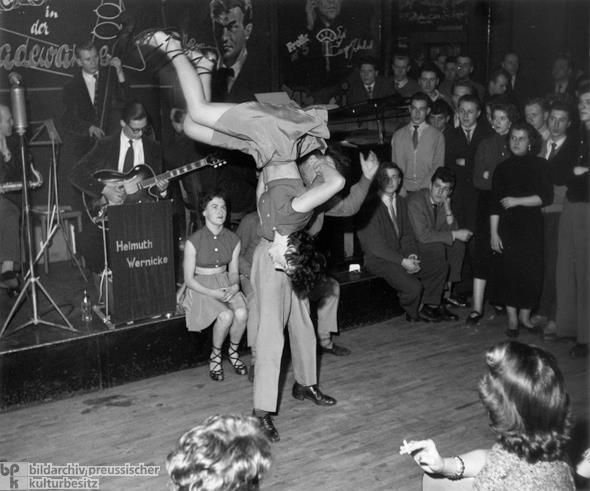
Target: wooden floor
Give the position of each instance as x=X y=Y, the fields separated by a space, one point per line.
x=400 y=382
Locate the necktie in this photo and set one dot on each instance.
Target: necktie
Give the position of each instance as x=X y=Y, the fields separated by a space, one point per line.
x=415 y=137
x=435 y=209
x=129 y=157
x=553 y=151
x=95 y=98
x=369 y=91
x=468 y=135
x=224 y=75
x=393 y=216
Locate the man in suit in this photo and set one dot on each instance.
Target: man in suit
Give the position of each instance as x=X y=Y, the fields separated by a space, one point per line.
x=440 y=241
x=517 y=85
x=461 y=144
x=388 y=243
x=92 y=102
x=464 y=71
x=560 y=151
x=417 y=148
x=562 y=79
x=369 y=84
x=402 y=84
x=573 y=280
x=119 y=152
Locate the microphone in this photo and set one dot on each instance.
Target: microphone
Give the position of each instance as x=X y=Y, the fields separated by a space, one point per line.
x=17 y=99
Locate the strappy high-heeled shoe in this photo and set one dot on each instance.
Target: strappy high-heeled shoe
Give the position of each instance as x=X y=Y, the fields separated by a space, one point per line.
x=215 y=360
x=239 y=367
x=155 y=42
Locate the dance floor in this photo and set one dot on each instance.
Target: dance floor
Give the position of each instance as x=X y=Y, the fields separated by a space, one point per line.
x=402 y=381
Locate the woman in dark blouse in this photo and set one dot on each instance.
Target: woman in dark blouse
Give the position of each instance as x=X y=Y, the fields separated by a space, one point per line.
x=490 y=152
x=212 y=284
x=520 y=187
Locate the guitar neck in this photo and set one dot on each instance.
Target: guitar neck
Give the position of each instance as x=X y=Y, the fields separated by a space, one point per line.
x=147 y=183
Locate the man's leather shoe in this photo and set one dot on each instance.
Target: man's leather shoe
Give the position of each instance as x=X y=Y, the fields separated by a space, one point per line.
x=458 y=301
x=579 y=351
x=433 y=314
x=447 y=315
x=336 y=350
x=313 y=393
x=268 y=426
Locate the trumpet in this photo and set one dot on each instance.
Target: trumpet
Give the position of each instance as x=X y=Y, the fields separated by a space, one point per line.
x=11 y=187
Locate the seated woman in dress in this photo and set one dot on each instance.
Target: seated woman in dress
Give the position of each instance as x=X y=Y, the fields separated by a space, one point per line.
x=276 y=137
x=224 y=453
x=520 y=187
x=213 y=286
x=490 y=152
x=529 y=408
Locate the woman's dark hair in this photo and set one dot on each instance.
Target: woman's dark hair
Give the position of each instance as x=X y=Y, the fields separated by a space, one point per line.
x=528 y=405
x=510 y=109
x=535 y=138
x=336 y=152
x=207 y=197
x=306 y=265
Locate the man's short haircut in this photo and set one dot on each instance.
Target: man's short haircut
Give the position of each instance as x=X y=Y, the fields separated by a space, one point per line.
x=368 y=60
x=446 y=175
x=512 y=112
x=497 y=72
x=540 y=101
x=401 y=55
x=451 y=59
x=562 y=106
x=218 y=7
x=134 y=111
x=87 y=45
x=430 y=67
x=382 y=178
x=420 y=96
x=471 y=98
x=465 y=55
x=462 y=83
x=583 y=87
x=565 y=56
x=440 y=106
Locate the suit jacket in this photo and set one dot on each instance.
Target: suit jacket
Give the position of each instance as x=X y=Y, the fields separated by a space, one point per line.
x=105 y=155
x=358 y=93
x=457 y=147
x=80 y=114
x=559 y=167
x=427 y=229
x=377 y=235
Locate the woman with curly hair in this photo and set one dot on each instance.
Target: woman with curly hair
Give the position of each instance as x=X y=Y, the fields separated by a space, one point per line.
x=225 y=453
x=529 y=408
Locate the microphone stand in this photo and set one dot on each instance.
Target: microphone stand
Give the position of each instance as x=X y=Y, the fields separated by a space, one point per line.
x=32 y=282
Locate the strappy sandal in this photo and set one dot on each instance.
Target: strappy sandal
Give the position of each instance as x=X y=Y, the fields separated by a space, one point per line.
x=159 y=49
x=239 y=367
x=215 y=360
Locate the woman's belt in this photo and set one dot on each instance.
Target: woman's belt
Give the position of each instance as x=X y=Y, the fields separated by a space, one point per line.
x=206 y=271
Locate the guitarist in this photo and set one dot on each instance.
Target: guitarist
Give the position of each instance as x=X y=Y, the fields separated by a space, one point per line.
x=119 y=152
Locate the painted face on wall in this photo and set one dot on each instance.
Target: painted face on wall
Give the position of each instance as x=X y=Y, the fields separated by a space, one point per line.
x=231 y=34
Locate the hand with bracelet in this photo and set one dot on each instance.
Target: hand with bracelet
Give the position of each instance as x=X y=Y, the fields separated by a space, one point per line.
x=426 y=455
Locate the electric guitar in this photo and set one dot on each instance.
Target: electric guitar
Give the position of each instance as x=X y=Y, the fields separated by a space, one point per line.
x=139 y=182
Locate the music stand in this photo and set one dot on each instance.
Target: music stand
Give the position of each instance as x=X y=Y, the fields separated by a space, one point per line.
x=32 y=282
x=54 y=220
